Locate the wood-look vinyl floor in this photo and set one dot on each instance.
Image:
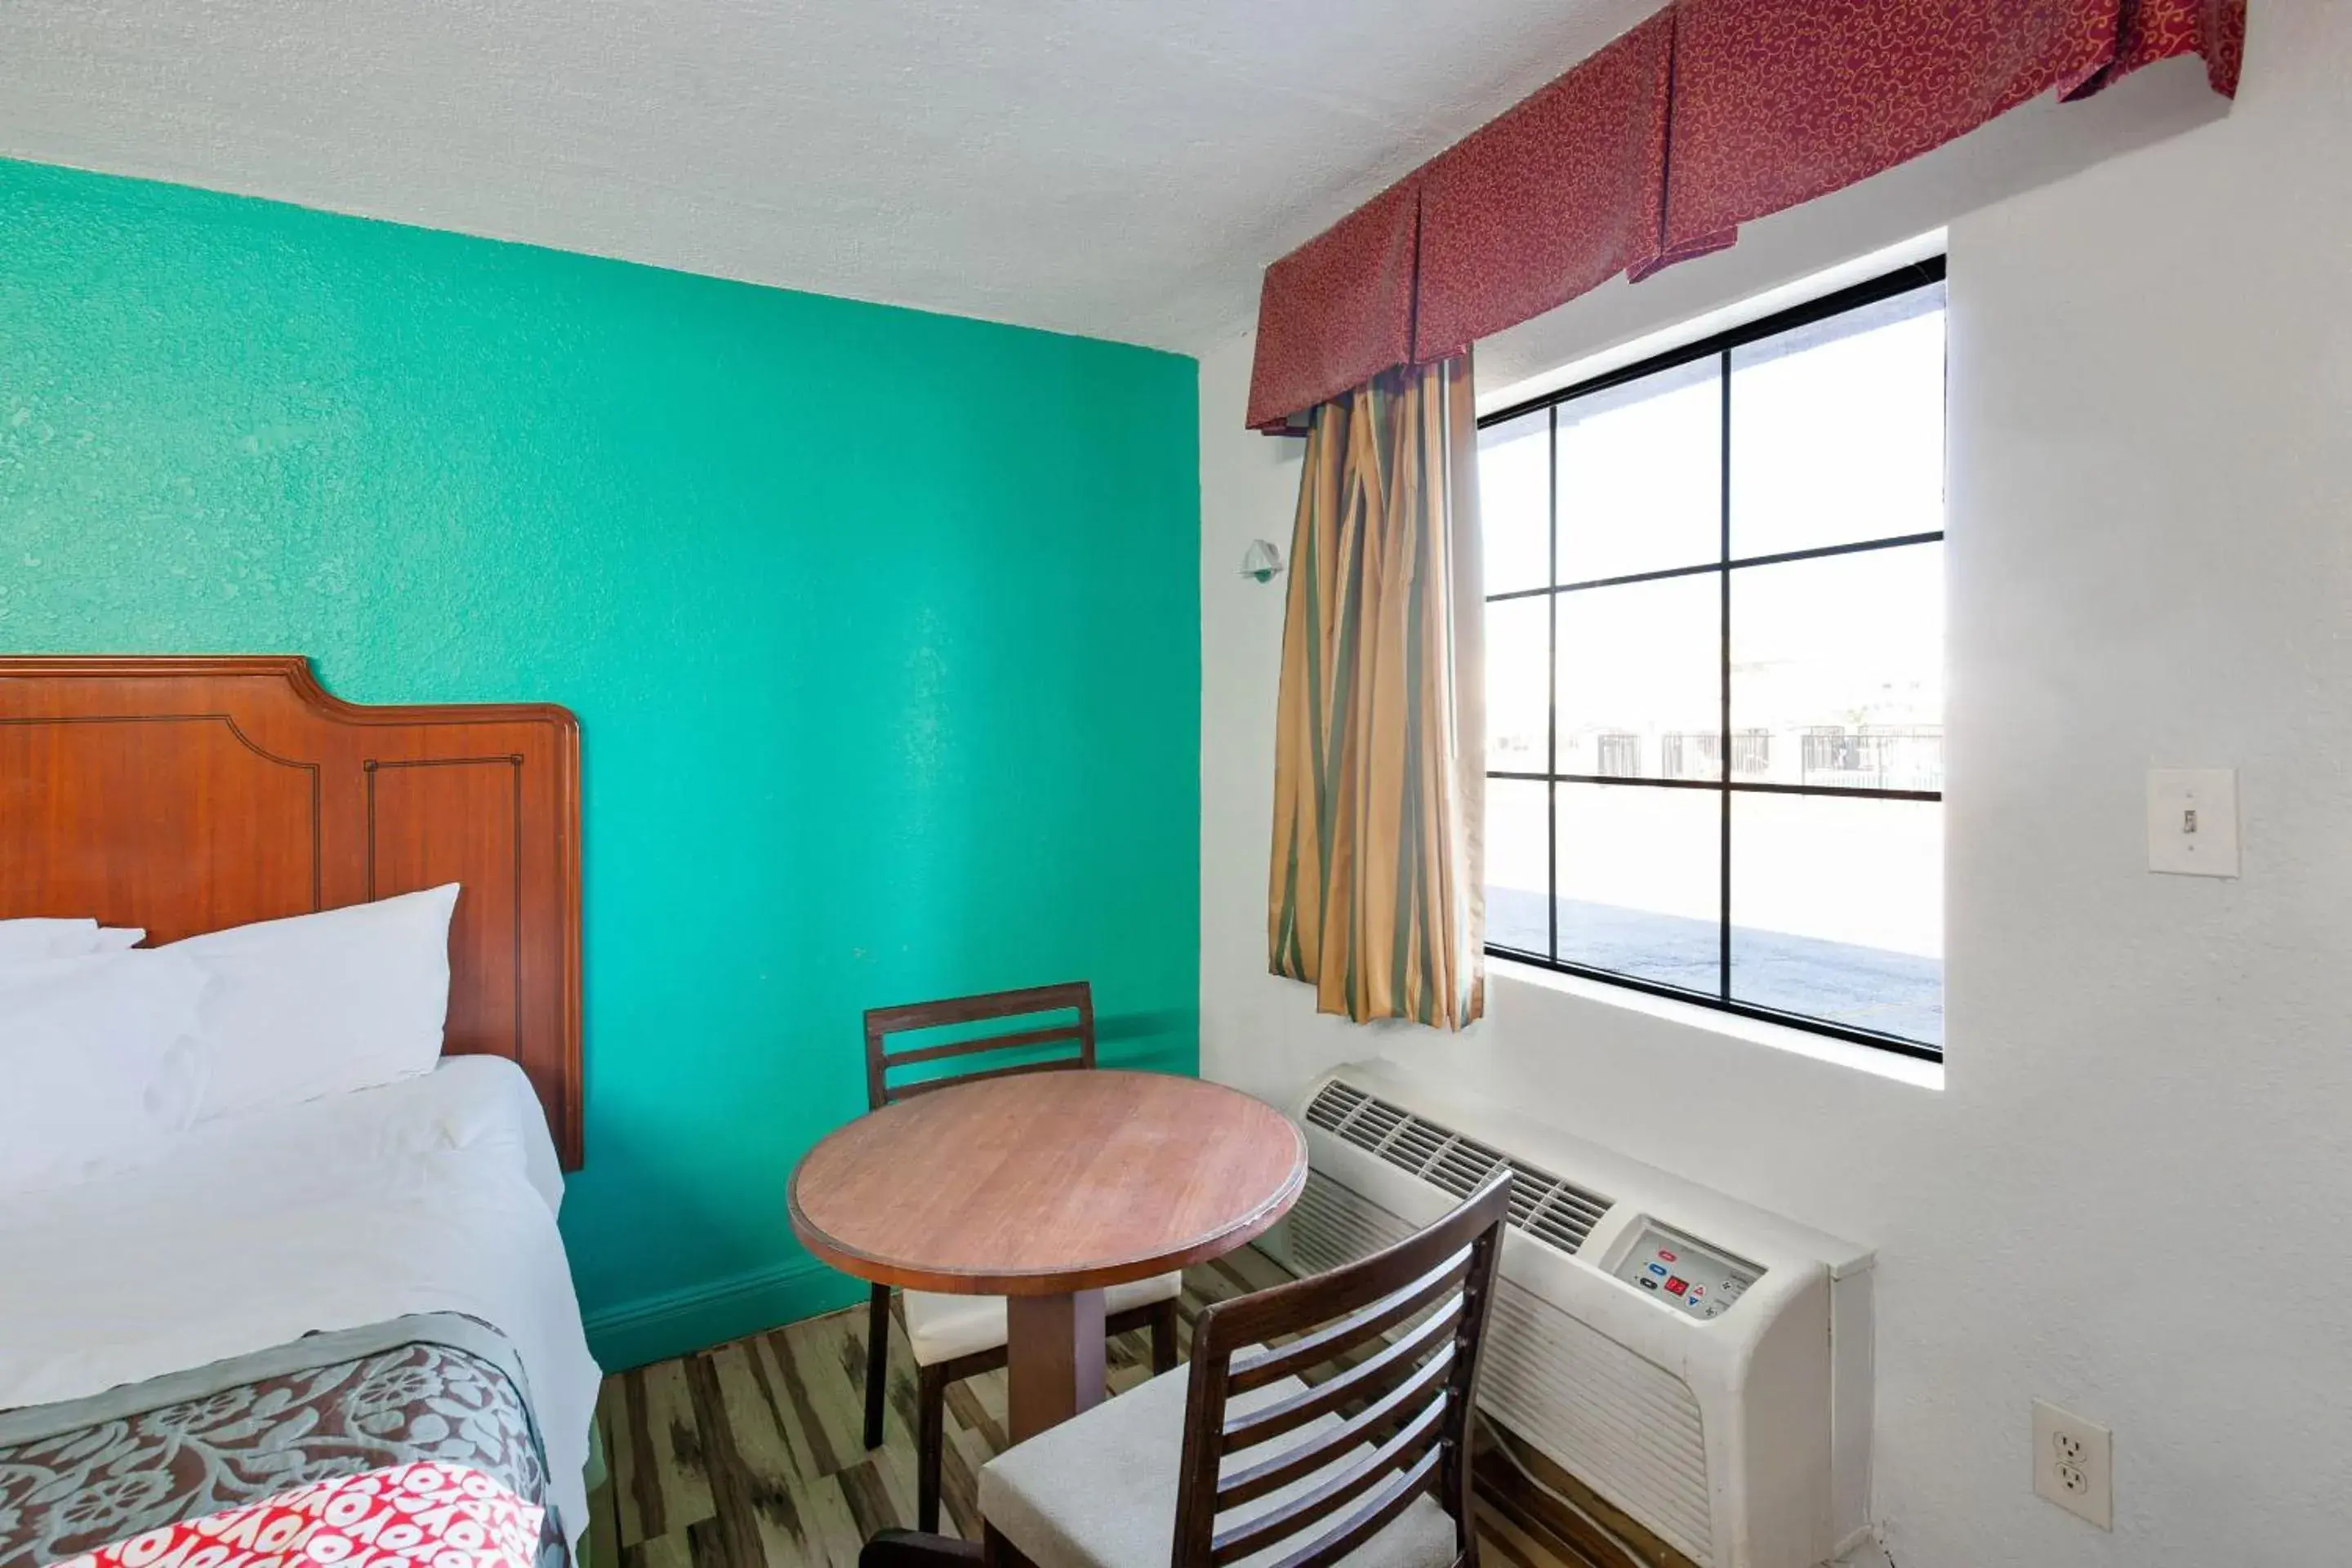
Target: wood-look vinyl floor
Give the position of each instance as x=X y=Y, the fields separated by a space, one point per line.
x=751 y=1454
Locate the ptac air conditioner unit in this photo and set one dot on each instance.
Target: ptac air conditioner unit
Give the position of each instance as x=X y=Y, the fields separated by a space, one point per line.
x=1700 y=1365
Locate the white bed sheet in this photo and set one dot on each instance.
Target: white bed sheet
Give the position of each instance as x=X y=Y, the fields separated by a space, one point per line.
x=436 y=1194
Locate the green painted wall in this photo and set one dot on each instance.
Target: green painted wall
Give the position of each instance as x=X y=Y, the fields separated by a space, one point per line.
x=882 y=629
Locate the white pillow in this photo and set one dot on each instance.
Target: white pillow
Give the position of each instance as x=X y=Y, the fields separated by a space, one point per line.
x=27 y=941
x=98 y=1063
x=323 y=1004
x=30 y=940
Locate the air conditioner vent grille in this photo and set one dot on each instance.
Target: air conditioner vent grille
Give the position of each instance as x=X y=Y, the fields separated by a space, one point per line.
x=1530 y=1189
x=1542 y=1206
x=1565 y=1220
x=1374 y=1123
x=1461 y=1165
x=1334 y=1105
x=1415 y=1144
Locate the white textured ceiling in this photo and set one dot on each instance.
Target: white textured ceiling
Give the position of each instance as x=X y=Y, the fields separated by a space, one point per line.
x=1121 y=168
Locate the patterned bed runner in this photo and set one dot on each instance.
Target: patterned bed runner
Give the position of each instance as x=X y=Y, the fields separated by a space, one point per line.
x=425 y=1515
x=76 y=1477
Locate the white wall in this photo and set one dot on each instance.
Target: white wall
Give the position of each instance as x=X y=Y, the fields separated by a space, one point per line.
x=2129 y=1195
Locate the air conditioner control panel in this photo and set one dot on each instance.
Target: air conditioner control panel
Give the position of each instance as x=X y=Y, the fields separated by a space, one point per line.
x=1691 y=1276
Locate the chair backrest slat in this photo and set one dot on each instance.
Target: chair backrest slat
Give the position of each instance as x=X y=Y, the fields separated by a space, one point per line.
x=1069 y=1034
x=1329 y=1342
x=1388 y=1347
x=1366 y=1522
x=882 y=1022
x=974 y=1009
x=1399 y=1361
x=1371 y=1425
x=909 y=1091
x=1334 y=1494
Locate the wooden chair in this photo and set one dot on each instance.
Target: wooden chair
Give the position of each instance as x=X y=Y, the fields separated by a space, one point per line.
x=956 y=1337
x=1347 y=1445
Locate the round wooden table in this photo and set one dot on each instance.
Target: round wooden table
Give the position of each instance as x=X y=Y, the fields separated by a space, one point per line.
x=1045 y=1188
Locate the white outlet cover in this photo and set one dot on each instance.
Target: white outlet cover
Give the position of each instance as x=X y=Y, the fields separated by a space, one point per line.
x=2192 y=821
x=2074 y=1464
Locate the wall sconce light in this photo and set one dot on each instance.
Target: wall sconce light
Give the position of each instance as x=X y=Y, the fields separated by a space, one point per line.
x=1261 y=560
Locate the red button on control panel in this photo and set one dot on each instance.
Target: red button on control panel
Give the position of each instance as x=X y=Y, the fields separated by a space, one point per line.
x=1664 y=1255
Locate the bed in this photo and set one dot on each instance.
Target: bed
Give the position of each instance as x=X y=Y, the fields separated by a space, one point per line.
x=310 y=1289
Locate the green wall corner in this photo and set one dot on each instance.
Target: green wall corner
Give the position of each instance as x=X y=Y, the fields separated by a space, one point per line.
x=882 y=628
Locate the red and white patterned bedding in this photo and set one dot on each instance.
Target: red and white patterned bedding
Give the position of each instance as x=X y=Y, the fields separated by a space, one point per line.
x=136 y=1459
x=429 y=1514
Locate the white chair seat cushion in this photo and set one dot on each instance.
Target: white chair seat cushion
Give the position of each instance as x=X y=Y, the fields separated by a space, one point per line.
x=1099 y=1491
x=941 y=1328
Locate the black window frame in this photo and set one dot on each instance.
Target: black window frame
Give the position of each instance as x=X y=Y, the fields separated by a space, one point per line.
x=1720 y=347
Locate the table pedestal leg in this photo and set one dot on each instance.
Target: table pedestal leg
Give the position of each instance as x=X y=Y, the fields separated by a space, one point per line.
x=1054 y=1352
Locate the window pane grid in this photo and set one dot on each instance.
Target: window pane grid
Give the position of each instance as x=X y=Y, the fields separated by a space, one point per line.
x=1857 y=764
x=1857 y=547
x=1723 y=731
x=1551 y=686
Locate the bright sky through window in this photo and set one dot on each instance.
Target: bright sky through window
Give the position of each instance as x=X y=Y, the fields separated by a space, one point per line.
x=1702 y=643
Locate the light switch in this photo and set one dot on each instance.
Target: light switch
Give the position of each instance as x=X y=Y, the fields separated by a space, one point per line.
x=2192 y=821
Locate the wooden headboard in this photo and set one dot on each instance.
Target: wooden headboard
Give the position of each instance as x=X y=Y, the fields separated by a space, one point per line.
x=189 y=795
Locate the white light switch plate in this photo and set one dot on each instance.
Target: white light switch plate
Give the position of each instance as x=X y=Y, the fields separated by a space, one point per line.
x=2192 y=821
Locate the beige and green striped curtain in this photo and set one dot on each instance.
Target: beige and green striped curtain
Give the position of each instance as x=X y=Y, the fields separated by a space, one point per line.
x=1379 y=776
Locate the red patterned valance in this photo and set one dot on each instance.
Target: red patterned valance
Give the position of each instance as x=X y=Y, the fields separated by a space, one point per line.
x=1558 y=196
x=1778 y=101
x=1710 y=115
x=1337 y=310
x=2153 y=30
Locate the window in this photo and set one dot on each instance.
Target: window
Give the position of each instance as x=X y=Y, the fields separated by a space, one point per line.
x=1715 y=694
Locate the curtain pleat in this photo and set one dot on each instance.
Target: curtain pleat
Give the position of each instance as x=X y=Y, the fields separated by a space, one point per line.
x=1338 y=310
x=1376 y=892
x=1779 y=101
x=1552 y=199
x=2152 y=30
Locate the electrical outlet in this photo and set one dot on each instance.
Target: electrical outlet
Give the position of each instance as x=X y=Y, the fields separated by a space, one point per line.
x=2074 y=1464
